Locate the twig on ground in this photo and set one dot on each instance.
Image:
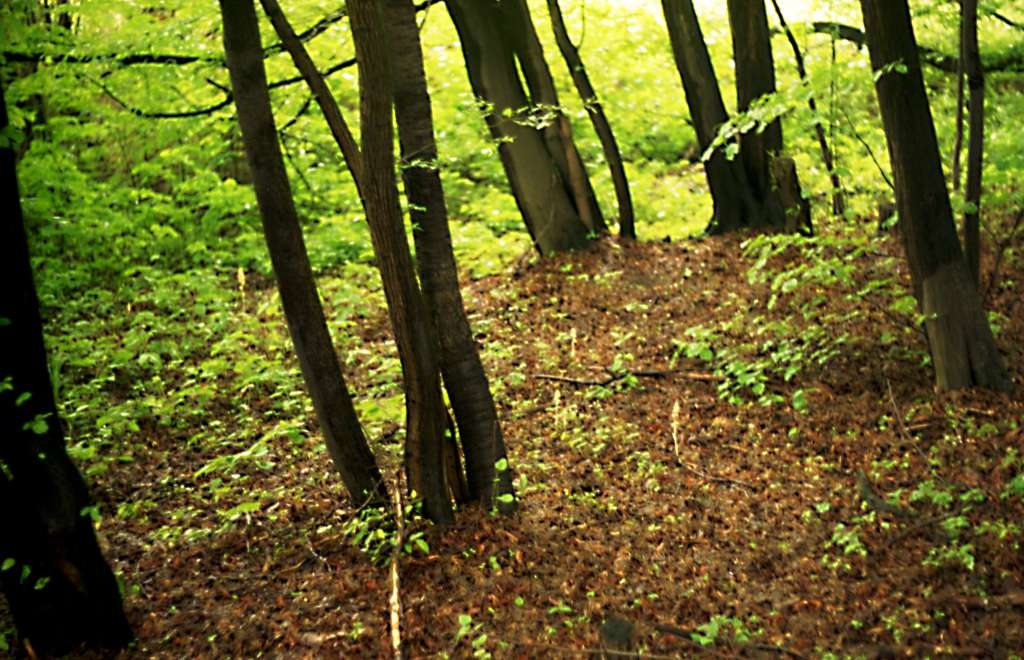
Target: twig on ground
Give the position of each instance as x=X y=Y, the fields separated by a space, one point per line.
x=714 y=477
x=395 y=600
x=640 y=373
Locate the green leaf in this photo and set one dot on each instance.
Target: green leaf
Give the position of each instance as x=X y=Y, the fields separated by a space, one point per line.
x=8 y=564
x=22 y=398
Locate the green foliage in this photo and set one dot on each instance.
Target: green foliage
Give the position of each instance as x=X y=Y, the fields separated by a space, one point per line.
x=721 y=628
x=373 y=531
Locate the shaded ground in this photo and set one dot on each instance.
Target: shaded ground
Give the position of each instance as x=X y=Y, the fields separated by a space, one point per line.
x=648 y=497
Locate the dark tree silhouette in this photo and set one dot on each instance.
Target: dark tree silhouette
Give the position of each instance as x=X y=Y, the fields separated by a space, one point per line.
x=963 y=350
x=61 y=592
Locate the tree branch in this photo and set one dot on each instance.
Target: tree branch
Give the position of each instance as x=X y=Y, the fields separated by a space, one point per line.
x=1010 y=60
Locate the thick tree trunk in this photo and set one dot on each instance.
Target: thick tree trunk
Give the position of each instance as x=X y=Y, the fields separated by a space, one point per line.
x=306 y=323
x=551 y=207
x=413 y=328
x=963 y=349
x=517 y=25
x=734 y=202
x=775 y=186
x=975 y=136
x=755 y=77
x=60 y=590
x=464 y=377
x=609 y=146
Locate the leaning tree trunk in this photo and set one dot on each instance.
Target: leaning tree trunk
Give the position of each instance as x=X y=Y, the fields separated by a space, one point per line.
x=735 y=204
x=963 y=350
x=517 y=25
x=321 y=370
x=595 y=110
x=60 y=590
x=426 y=417
x=318 y=86
x=975 y=135
x=545 y=196
x=464 y=377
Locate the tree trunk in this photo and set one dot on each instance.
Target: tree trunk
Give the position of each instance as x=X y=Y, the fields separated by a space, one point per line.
x=963 y=349
x=734 y=203
x=464 y=377
x=417 y=345
x=318 y=86
x=776 y=187
x=975 y=137
x=755 y=77
x=552 y=208
x=595 y=110
x=517 y=25
x=306 y=323
x=60 y=590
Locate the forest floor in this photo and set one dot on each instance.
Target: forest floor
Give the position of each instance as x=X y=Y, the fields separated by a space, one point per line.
x=854 y=512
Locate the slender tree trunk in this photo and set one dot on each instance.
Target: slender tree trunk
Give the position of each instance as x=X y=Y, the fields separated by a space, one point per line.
x=595 y=110
x=963 y=350
x=319 y=364
x=827 y=157
x=464 y=377
x=321 y=92
x=550 y=205
x=975 y=136
x=60 y=590
x=734 y=203
x=413 y=328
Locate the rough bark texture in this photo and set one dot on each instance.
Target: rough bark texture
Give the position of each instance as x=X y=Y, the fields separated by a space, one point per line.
x=464 y=377
x=60 y=590
x=306 y=323
x=975 y=136
x=734 y=203
x=609 y=146
x=417 y=346
x=550 y=205
x=963 y=349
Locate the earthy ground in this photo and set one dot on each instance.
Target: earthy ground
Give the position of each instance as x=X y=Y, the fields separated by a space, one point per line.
x=646 y=499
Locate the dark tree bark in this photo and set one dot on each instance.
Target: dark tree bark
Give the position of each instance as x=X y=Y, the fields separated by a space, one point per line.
x=963 y=350
x=781 y=198
x=755 y=77
x=417 y=345
x=975 y=135
x=60 y=590
x=534 y=150
x=734 y=204
x=321 y=370
x=517 y=24
x=464 y=377
x=595 y=110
